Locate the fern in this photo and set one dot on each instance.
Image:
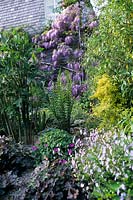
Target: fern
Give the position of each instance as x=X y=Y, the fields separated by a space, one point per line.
x=61 y=103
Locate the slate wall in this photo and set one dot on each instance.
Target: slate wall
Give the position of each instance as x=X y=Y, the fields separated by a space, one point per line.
x=28 y=13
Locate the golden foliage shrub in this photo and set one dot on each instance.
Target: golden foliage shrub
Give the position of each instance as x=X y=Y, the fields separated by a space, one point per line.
x=110 y=103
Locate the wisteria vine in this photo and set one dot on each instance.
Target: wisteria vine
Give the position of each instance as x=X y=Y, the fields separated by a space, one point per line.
x=61 y=47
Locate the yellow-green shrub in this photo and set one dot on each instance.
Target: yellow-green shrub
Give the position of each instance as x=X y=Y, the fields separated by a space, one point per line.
x=110 y=103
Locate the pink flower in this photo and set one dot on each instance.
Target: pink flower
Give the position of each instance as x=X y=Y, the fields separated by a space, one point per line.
x=63 y=161
x=34 y=148
x=72 y=145
x=56 y=150
x=70 y=152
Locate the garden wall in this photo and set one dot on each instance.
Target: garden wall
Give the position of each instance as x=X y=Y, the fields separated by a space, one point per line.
x=30 y=13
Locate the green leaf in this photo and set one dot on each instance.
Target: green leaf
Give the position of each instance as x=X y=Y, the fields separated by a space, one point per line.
x=114 y=185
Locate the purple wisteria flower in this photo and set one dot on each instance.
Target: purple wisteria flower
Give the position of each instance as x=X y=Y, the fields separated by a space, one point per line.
x=34 y=40
x=83 y=88
x=69 y=40
x=77 y=66
x=55 y=64
x=77 y=19
x=93 y=24
x=64 y=50
x=75 y=90
x=77 y=78
x=43 y=37
x=70 y=65
x=42 y=55
x=55 y=55
x=46 y=45
x=46 y=68
x=63 y=78
x=78 y=53
x=50 y=85
x=59 y=39
x=67 y=18
x=59 y=24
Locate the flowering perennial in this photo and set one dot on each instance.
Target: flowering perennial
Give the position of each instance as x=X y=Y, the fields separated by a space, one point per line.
x=105 y=161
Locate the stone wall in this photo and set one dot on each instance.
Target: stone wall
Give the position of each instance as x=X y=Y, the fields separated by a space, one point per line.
x=28 y=13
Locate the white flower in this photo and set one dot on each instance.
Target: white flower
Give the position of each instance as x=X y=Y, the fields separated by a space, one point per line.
x=96 y=184
x=87 y=188
x=123 y=187
x=111 y=170
x=110 y=150
x=131 y=154
x=82 y=185
x=81 y=131
x=123 y=164
x=117 y=175
x=73 y=163
x=86 y=169
x=78 y=142
x=115 y=136
x=85 y=132
x=118 y=192
x=123 y=195
x=107 y=165
x=126 y=176
x=82 y=160
x=108 y=159
x=102 y=162
x=131 y=167
x=99 y=170
x=104 y=150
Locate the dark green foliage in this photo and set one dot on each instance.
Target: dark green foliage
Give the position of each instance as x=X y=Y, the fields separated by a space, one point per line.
x=61 y=103
x=53 y=144
x=19 y=89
